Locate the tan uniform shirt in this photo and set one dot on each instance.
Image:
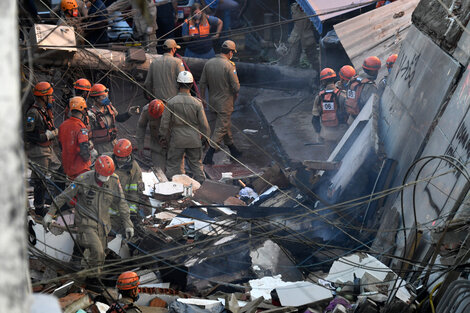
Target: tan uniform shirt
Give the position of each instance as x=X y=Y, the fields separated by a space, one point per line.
x=316 y=110
x=368 y=90
x=154 y=124
x=162 y=75
x=187 y=110
x=93 y=201
x=220 y=76
x=131 y=182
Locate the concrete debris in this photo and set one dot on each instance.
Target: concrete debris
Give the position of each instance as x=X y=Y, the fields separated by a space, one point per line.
x=302 y=293
x=44 y=303
x=186 y=181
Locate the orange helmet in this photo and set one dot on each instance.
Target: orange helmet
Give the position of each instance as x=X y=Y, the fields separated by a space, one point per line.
x=347 y=72
x=68 y=5
x=127 y=281
x=327 y=73
x=156 y=108
x=104 y=165
x=77 y=103
x=98 y=90
x=123 y=148
x=391 y=60
x=43 y=89
x=372 y=64
x=82 y=84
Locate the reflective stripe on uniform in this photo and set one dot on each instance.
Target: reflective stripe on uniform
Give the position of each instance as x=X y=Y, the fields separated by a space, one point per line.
x=133 y=208
x=130 y=187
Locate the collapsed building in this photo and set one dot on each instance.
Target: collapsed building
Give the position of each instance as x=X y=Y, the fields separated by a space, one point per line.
x=378 y=221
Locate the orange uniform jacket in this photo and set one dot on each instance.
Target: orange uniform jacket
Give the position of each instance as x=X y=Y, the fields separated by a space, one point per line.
x=73 y=138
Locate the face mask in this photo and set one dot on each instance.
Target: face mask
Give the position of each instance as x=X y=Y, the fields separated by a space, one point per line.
x=49 y=105
x=105 y=101
x=197 y=16
x=102 y=178
x=122 y=162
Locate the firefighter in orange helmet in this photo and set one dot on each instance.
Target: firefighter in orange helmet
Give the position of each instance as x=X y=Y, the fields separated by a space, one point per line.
x=152 y=116
x=329 y=116
x=362 y=87
x=346 y=73
x=95 y=192
x=73 y=139
x=82 y=87
x=39 y=135
x=383 y=82
x=103 y=117
x=128 y=286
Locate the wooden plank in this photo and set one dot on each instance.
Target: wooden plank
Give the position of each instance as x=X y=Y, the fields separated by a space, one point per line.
x=160 y=175
x=321 y=165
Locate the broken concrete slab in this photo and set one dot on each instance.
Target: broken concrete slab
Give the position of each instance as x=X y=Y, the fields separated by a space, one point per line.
x=214 y=192
x=302 y=293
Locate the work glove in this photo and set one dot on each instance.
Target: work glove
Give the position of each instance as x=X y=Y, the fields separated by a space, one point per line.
x=46 y=221
x=51 y=134
x=134 y=110
x=129 y=233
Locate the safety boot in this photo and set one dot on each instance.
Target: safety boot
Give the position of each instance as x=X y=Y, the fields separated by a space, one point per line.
x=209 y=155
x=234 y=152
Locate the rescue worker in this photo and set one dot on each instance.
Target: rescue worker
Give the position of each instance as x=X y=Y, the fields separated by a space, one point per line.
x=81 y=88
x=220 y=77
x=95 y=192
x=383 y=82
x=301 y=38
x=72 y=15
x=81 y=6
x=103 y=117
x=329 y=115
x=127 y=285
x=129 y=173
x=184 y=117
x=151 y=116
x=362 y=87
x=73 y=139
x=163 y=72
x=346 y=73
x=197 y=32
x=39 y=134
x=142 y=30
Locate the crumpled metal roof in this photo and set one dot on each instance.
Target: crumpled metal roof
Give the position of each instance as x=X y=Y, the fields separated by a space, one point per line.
x=312 y=7
x=378 y=32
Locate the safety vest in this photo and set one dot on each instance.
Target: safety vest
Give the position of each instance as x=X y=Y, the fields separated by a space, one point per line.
x=48 y=119
x=122 y=308
x=353 y=94
x=203 y=30
x=329 y=107
x=105 y=132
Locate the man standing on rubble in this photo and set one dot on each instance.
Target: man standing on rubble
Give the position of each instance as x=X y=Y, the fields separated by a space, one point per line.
x=39 y=133
x=103 y=117
x=184 y=117
x=220 y=77
x=163 y=72
x=73 y=139
x=362 y=87
x=95 y=192
x=329 y=115
x=151 y=116
x=383 y=82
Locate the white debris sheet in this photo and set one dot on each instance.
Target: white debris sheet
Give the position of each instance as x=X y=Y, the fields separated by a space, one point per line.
x=301 y=293
x=262 y=287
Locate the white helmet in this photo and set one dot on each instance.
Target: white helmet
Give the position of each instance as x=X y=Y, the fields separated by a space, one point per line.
x=185 y=77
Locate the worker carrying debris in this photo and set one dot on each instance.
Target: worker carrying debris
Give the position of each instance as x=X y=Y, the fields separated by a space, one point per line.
x=151 y=116
x=127 y=285
x=362 y=87
x=163 y=72
x=73 y=139
x=39 y=135
x=383 y=82
x=103 y=117
x=95 y=192
x=184 y=117
x=220 y=77
x=329 y=113
x=129 y=173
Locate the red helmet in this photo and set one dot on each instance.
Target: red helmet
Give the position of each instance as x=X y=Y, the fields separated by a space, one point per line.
x=98 y=90
x=82 y=84
x=391 y=60
x=104 y=165
x=347 y=72
x=327 y=73
x=123 y=148
x=127 y=281
x=156 y=108
x=43 y=89
x=372 y=64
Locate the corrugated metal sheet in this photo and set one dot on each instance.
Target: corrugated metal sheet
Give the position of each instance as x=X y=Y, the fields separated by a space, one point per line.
x=312 y=7
x=378 y=32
